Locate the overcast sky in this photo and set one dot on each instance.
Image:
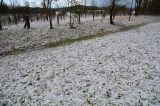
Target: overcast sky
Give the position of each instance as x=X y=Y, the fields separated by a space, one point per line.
x=61 y=3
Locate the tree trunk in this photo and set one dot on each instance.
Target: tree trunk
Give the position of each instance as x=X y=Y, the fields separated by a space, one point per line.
x=93 y=15
x=58 y=19
x=85 y=9
x=50 y=17
x=137 y=7
x=147 y=5
x=111 y=13
x=136 y=11
x=47 y=17
x=70 y=20
x=15 y=19
x=101 y=15
x=0 y=25
x=0 y=20
x=50 y=22
x=79 y=18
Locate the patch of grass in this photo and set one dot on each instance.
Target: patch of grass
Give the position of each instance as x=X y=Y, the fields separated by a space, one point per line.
x=69 y=41
x=125 y=28
x=99 y=33
x=12 y=52
x=51 y=44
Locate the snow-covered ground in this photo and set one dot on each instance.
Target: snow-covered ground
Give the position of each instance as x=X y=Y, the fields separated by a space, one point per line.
x=122 y=69
x=16 y=37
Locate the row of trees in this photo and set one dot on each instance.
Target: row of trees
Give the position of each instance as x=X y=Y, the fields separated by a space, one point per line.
x=1 y=9
x=145 y=7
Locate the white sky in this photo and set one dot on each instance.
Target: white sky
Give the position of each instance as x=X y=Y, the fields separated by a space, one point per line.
x=61 y=3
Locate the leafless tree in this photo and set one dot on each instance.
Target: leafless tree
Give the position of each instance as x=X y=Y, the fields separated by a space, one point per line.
x=113 y=3
x=138 y=4
x=0 y=19
x=13 y=4
x=147 y=6
x=45 y=10
x=85 y=3
x=93 y=4
x=50 y=13
x=68 y=2
x=71 y=3
x=154 y=7
x=78 y=10
x=47 y=4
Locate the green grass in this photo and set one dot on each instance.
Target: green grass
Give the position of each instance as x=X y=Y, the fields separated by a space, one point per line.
x=131 y=27
x=70 y=41
x=51 y=44
x=12 y=52
x=99 y=33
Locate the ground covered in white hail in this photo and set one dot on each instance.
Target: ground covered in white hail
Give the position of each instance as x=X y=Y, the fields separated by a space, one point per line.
x=121 y=69
x=15 y=37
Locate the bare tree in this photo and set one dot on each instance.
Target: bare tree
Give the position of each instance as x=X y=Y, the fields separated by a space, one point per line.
x=47 y=4
x=113 y=3
x=78 y=10
x=13 y=4
x=44 y=5
x=147 y=6
x=93 y=4
x=0 y=19
x=85 y=3
x=50 y=13
x=154 y=7
x=71 y=4
x=68 y=1
x=138 y=4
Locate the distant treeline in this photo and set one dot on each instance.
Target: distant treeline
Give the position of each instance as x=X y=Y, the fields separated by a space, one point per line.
x=37 y=10
x=152 y=7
